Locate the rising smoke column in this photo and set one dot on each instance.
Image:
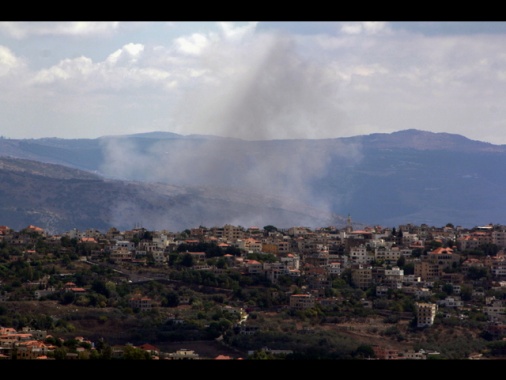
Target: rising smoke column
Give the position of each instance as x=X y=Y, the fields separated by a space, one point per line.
x=259 y=90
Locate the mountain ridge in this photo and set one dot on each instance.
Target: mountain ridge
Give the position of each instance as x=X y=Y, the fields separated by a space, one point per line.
x=408 y=176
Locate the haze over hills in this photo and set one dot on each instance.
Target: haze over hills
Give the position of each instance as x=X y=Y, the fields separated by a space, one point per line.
x=165 y=180
x=59 y=199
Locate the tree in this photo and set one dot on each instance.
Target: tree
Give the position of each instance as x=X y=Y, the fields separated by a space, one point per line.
x=187 y=260
x=71 y=344
x=171 y=300
x=433 y=244
x=60 y=353
x=261 y=355
x=408 y=269
x=466 y=292
x=270 y=228
x=447 y=288
x=398 y=239
x=489 y=249
x=100 y=287
x=401 y=262
x=364 y=351
x=475 y=273
x=221 y=263
x=135 y=353
x=67 y=298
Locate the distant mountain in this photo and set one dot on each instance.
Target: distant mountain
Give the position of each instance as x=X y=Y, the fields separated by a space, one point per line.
x=422 y=140
x=409 y=176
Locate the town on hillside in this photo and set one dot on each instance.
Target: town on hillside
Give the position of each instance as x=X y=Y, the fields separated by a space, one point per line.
x=239 y=286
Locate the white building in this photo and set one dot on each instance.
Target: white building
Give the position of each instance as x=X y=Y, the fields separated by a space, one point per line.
x=425 y=313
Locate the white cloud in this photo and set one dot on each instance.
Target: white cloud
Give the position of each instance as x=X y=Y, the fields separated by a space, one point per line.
x=196 y=43
x=128 y=54
x=233 y=32
x=193 y=44
x=8 y=61
x=368 y=27
x=66 y=28
x=67 y=69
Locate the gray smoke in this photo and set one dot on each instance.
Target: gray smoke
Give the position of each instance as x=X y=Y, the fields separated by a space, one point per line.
x=275 y=94
x=270 y=92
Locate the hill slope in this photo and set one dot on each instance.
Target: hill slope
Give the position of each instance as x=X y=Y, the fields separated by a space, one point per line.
x=59 y=199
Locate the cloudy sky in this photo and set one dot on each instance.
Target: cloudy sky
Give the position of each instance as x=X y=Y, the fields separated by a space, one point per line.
x=252 y=80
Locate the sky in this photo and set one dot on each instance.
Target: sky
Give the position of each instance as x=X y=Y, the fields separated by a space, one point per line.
x=252 y=80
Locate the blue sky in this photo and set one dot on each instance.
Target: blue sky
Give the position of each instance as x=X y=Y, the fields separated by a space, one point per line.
x=252 y=80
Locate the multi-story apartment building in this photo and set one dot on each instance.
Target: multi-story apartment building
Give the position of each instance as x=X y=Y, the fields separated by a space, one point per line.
x=232 y=233
x=123 y=244
x=361 y=255
x=283 y=246
x=291 y=260
x=274 y=270
x=432 y=266
x=499 y=237
x=250 y=245
x=149 y=246
x=498 y=267
x=474 y=239
x=319 y=258
x=425 y=313
x=121 y=254
x=362 y=276
x=317 y=279
x=394 y=277
x=388 y=254
x=495 y=311
x=334 y=269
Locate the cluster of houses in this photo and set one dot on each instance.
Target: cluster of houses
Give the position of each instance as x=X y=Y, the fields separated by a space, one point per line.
x=30 y=344
x=371 y=254
x=375 y=257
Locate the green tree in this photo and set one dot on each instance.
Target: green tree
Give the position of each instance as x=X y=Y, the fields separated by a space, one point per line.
x=60 y=353
x=261 y=355
x=171 y=300
x=187 y=260
x=67 y=298
x=100 y=287
x=466 y=292
x=364 y=351
x=475 y=273
x=447 y=288
x=270 y=228
x=401 y=262
x=135 y=353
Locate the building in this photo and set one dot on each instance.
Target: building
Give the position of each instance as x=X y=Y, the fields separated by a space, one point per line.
x=362 y=276
x=141 y=303
x=425 y=313
x=302 y=301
